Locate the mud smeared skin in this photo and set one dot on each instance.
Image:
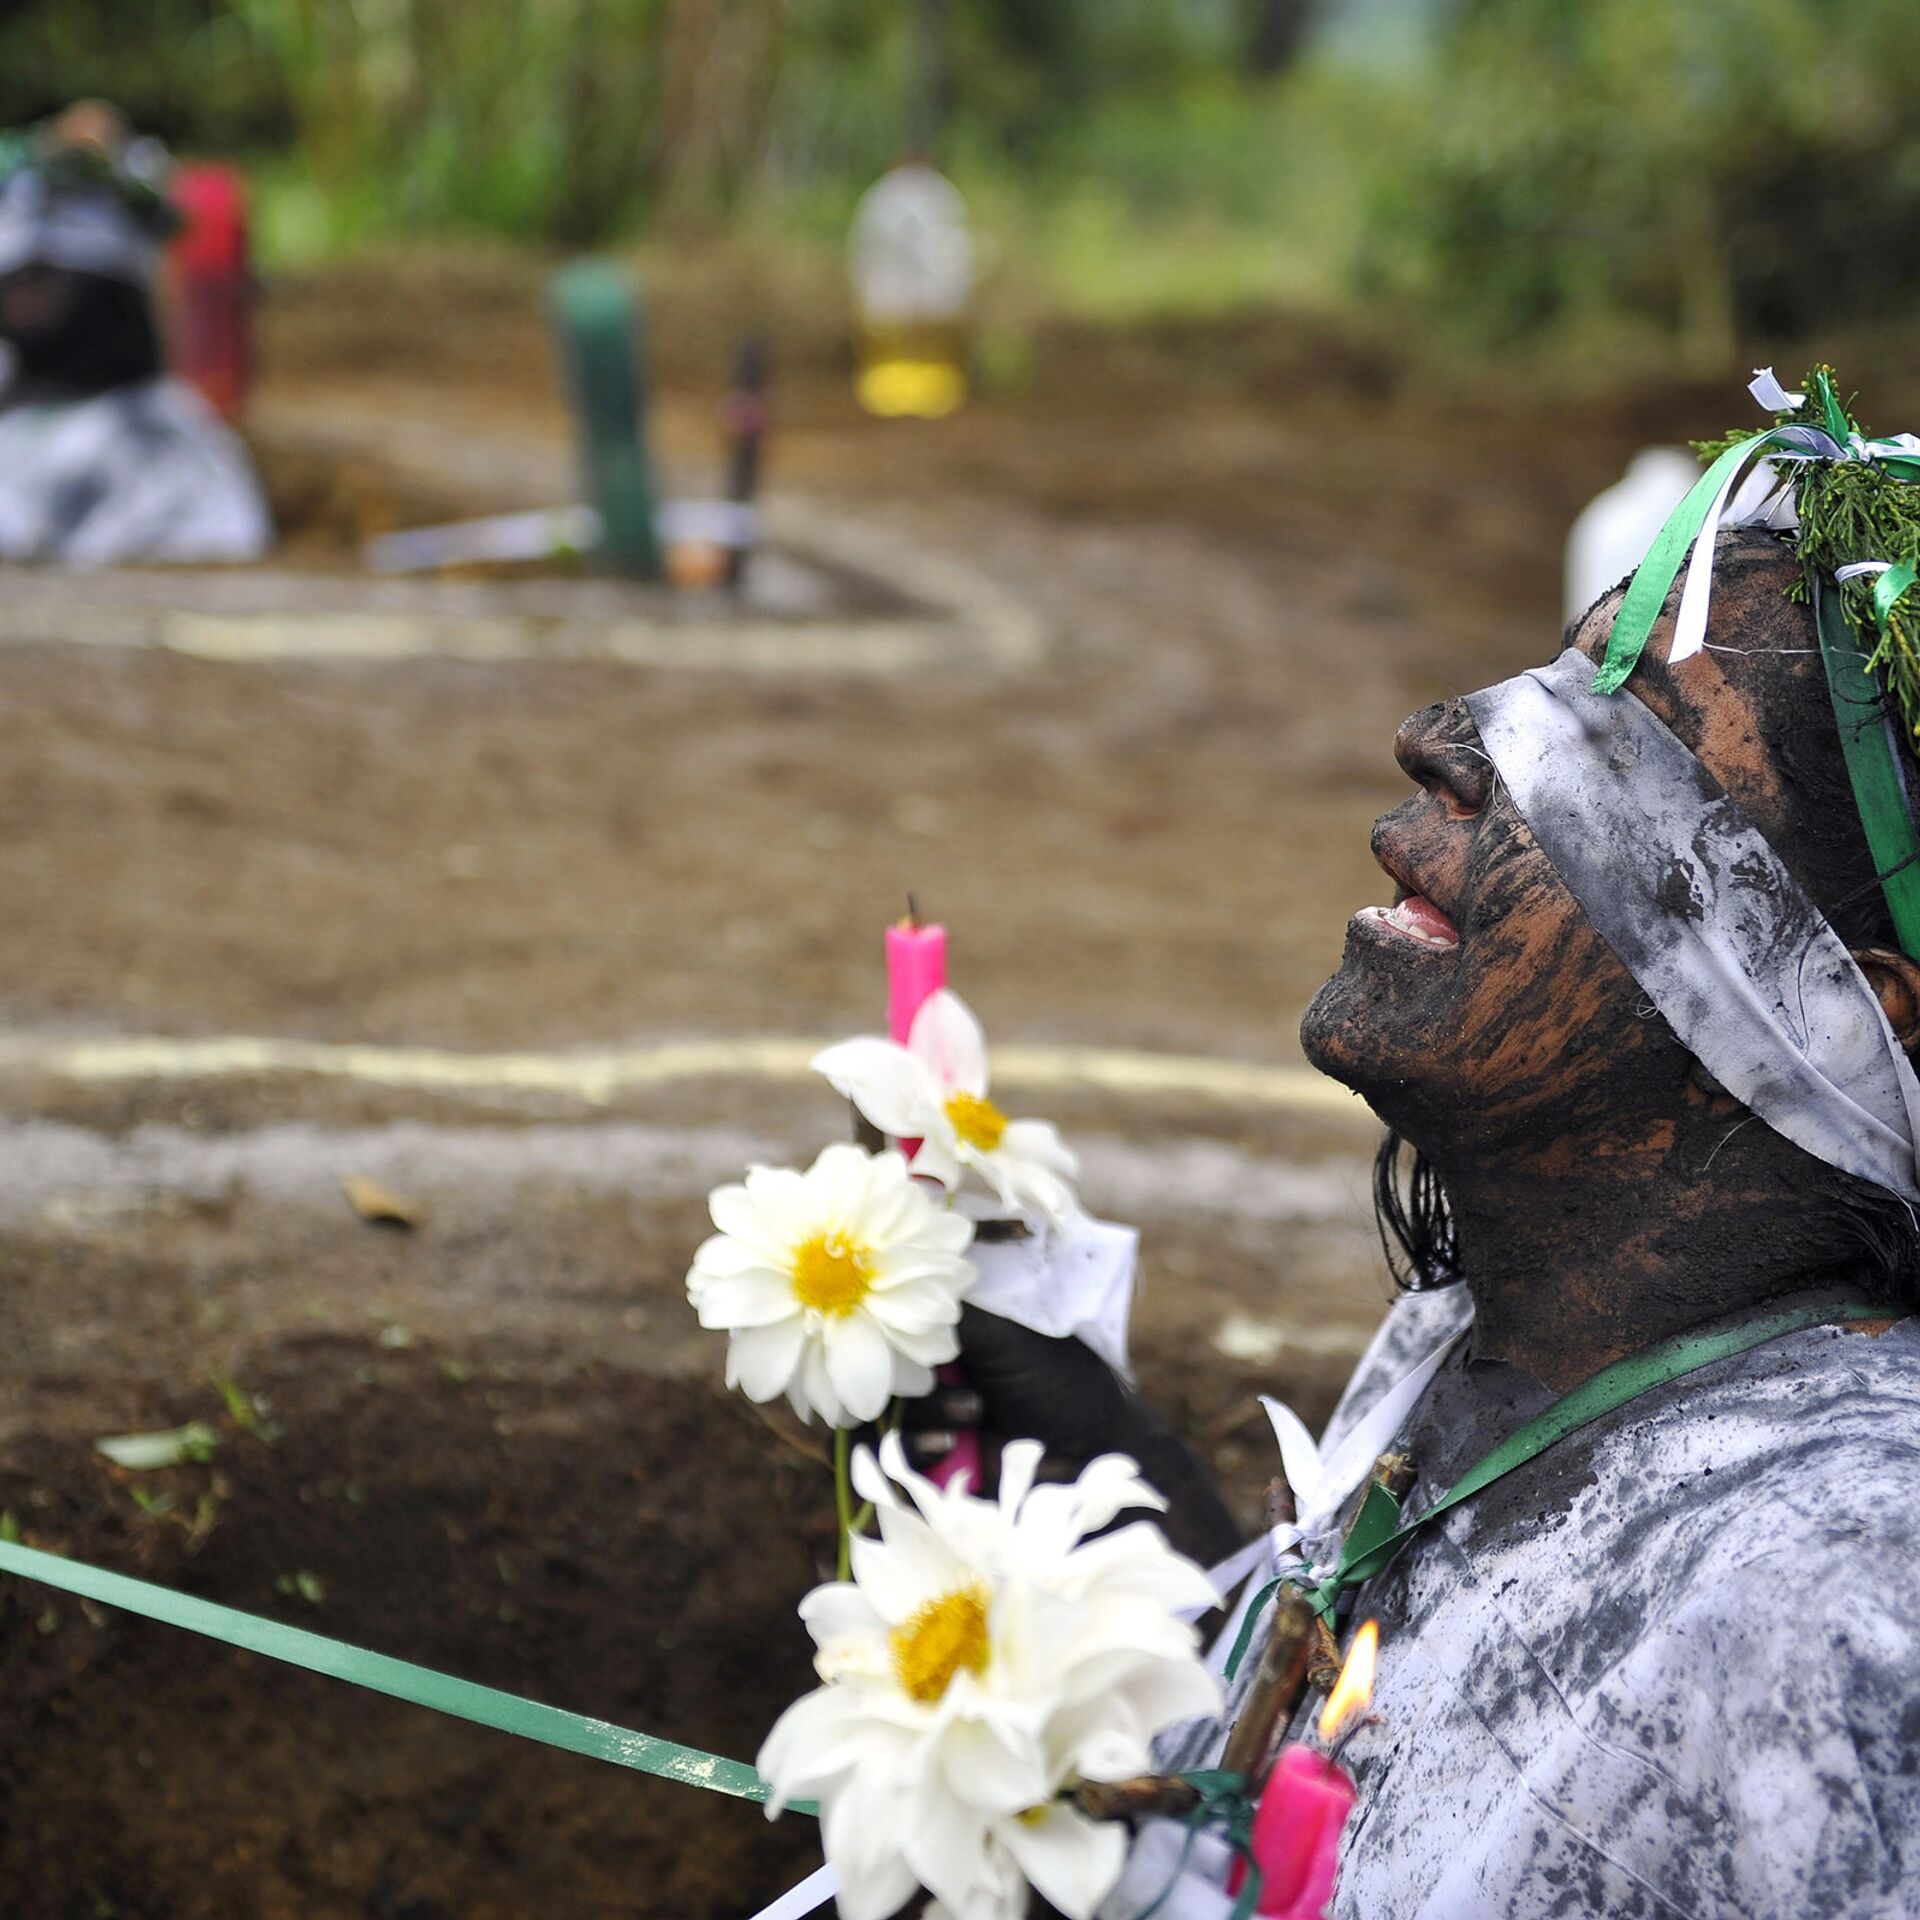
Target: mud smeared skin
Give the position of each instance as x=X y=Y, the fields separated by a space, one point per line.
x=1601 y=1200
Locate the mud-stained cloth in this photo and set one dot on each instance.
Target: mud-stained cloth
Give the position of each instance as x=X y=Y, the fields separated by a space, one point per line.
x=1669 y=1668
x=143 y=472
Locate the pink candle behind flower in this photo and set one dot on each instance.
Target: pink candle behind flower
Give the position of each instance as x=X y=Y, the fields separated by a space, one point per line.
x=916 y=970
x=1296 y=1834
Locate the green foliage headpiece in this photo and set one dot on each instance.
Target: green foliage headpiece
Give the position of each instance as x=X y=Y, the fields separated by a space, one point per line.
x=1851 y=505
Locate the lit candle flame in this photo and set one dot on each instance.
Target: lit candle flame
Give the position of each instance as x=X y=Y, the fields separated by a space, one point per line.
x=1354 y=1688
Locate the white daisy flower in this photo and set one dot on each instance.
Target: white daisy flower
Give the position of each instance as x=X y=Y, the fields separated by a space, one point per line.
x=984 y=1655
x=934 y=1090
x=839 y=1287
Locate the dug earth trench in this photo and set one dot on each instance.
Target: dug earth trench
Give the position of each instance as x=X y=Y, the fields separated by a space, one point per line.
x=492 y=1441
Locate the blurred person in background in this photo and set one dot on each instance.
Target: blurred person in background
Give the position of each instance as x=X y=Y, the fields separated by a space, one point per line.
x=104 y=459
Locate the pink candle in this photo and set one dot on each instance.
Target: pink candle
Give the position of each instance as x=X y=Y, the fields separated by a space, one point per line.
x=1296 y=1834
x=916 y=969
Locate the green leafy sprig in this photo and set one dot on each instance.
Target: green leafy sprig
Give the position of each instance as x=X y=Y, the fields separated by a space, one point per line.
x=1853 y=510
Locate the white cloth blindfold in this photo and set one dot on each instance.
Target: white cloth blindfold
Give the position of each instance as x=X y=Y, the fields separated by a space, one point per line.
x=1703 y=914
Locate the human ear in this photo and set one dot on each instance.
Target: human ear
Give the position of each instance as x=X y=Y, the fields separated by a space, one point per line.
x=1895 y=981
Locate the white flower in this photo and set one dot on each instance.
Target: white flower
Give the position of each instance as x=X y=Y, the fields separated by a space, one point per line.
x=839 y=1287
x=983 y=1655
x=934 y=1090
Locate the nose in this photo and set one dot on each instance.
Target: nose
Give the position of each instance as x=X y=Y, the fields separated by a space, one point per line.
x=1439 y=749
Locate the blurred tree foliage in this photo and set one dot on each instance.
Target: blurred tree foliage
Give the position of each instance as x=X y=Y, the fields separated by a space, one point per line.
x=1726 y=170
x=1701 y=170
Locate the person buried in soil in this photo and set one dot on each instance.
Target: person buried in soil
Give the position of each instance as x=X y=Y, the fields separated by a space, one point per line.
x=1638 y=1025
x=104 y=458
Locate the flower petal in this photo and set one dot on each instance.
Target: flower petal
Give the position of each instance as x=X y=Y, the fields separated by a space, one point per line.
x=884 y=1081
x=946 y=1848
x=838 y=1608
x=752 y=1299
x=908 y=1566
x=1072 y=1861
x=1019 y=1463
x=723 y=1254
x=739 y=1218
x=987 y=1768
x=761 y=1360
x=1038 y=1143
x=859 y=1363
x=811 y=1390
x=936 y=1159
x=1299 y=1457
x=916 y=1305
x=875 y=1881
x=948 y=1042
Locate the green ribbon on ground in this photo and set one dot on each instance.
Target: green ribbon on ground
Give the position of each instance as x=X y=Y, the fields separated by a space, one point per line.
x=1866 y=740
x=379 y=1673
x=1377 y=1536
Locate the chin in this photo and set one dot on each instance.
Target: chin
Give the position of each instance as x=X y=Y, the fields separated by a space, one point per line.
x=1355 y=1032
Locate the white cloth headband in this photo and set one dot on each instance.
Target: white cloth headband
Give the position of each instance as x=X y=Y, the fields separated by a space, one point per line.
x=87 y=230
x=1700 y=910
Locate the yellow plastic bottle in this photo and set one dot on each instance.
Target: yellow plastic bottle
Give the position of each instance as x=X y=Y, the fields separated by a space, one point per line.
x=911 y=258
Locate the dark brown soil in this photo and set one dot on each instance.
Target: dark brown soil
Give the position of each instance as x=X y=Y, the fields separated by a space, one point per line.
x=602 y=1540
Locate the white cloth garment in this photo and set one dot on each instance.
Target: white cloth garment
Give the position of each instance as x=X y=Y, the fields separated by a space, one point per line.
x=142 y=473
x=1075 y=1277
x=1666 y=1671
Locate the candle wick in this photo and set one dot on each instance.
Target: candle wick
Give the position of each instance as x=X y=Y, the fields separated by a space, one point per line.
x=913 y=913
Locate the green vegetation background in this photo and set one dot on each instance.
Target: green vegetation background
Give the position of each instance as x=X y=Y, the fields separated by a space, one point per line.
x=1677 y=177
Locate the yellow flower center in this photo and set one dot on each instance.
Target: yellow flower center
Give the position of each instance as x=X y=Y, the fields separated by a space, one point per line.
x=830 y=1274
x=978 y=1122
x=944 y=1636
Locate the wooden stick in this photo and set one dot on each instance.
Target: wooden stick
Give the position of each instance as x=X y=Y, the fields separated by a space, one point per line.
x=1393 y=1473
x=1281 y=1510
x=1141 y=1798
x=1276 y=1688
x=1323 y=1662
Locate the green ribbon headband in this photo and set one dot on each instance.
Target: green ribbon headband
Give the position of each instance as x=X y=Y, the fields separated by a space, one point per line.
x=1821 y=437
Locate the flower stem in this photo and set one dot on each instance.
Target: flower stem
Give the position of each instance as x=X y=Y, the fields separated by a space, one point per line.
x=843 y=1501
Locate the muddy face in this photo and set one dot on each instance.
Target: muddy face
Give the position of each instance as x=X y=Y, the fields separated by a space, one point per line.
x=1479 y=1012
x=1480 y=1003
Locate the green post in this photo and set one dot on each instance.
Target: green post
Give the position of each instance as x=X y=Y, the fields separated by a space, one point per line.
x=597 y=316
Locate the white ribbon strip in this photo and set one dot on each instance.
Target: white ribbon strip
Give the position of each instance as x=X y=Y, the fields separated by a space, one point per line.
x=1229 y=1573
x=1702 y=912
x=811 y=1894
x=1757 y=495
x=1771 y=394
x=1321 y=1488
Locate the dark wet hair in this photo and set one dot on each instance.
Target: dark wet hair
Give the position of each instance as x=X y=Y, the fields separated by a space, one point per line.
x=1410 y=1210
x=1827 y=843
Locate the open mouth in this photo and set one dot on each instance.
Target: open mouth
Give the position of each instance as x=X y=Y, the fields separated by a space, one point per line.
x=1414 y=917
